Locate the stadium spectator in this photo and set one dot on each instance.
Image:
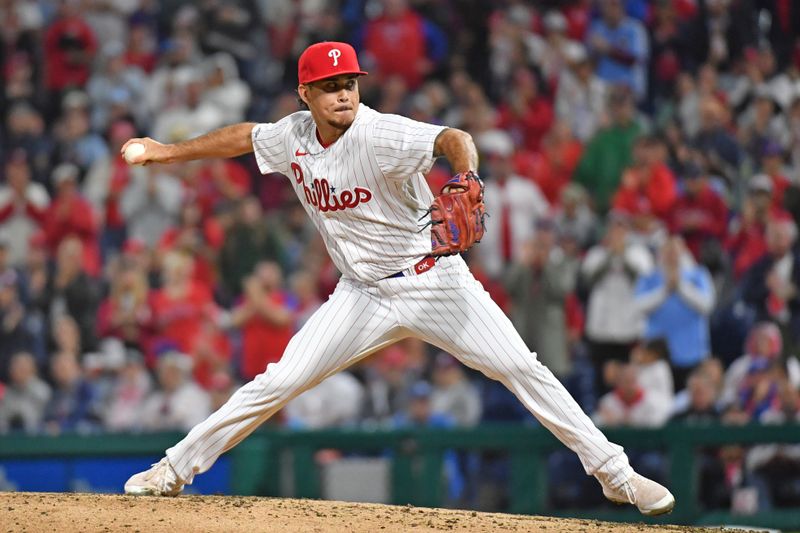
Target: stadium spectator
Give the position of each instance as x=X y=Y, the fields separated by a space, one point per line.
x=700 y=216
x=191 y=115
x=26 y=131
x=197 y=237
x=71 y=216
x=770 y=285
x=399 y=27
x=630 y=404
x=619 y=45
x=22 y=206
x=181 y=306
x=525 y=113
x=126 y=314
x=610 y=272
x=104 y=186
x=655 y=376
x=336 y=402
x=75 y=142
x=251 y=238
x=550 y=51
x=72 y=293
x=115 y=82
x=574 y=217
x=140 y=48
x=609 y=151
x=581 y=96
x=215 y=185
x=69 y=46
x=715 y=140
x=151 y=202
x=721 y=32
x=265 y=319
x=771 y=154
x=70 y=406
x=517 y=202
x=132 y=386
x=763 y=346
x=17 y=334
x=224 y=89
x=676 y=299
x=539 y=283
x=552 y=167
x=386 y=381
x=775 y=468
x=667 y=55
x=746 y=241
x=25 y=396
x=179 y=403
x=703 y=395
x=648 y=186
x=762 y=128
x=453 y=394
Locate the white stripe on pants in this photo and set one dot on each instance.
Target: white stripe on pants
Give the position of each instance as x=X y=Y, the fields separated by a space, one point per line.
x=445 y=307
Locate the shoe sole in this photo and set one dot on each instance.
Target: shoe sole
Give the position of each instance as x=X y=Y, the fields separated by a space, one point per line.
x=146 y=491
x=139 y=491
x=663 y=506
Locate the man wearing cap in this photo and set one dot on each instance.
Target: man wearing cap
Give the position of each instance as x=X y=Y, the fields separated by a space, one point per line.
x=746 y=240
x=516 y=203
x=359 y=175
x=700 y=215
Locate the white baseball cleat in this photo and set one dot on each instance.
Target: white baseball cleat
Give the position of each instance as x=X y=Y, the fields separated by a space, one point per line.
x=649 y=497
x=159 y=480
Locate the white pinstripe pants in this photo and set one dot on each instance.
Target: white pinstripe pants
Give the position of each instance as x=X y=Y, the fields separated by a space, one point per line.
x=446 y=307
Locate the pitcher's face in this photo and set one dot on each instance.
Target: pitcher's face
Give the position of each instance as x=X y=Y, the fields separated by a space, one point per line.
x=333 y=101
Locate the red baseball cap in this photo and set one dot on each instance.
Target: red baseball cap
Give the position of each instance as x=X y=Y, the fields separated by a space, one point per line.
x=326 y=60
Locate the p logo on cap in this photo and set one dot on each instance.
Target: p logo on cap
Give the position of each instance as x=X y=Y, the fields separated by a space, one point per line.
x=326 y=60
x=335 y=53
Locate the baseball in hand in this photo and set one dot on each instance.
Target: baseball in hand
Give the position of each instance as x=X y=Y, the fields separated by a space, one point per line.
x=133 y=151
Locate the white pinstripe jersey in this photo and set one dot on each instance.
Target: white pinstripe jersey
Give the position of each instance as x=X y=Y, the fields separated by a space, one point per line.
x=365 y=192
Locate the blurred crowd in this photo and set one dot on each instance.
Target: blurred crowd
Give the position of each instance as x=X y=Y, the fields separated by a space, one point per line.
x=642 y=169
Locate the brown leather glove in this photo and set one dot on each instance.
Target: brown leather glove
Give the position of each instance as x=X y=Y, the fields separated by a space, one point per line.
x=457 y=215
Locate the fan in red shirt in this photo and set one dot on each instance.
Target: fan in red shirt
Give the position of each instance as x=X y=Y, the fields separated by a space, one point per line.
x=648 y=186
x=69 y=45
x=183 y=310
x=402 y=43
x=216 y=182
x=747 y=240
x=200 y=238
x=71 y=214
x=266 y=319
x=699 y=214
x=526 y=114
x=551 y=168
x=125 y=314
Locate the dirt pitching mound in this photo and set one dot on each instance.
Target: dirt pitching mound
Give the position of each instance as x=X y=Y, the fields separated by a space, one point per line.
x=34 y=512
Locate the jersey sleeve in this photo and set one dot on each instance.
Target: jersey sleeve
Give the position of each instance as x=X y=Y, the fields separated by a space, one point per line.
x=269 y=146
x=403 y=146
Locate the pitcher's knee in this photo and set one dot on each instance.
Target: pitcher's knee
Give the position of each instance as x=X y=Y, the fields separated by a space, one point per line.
x=280 y=383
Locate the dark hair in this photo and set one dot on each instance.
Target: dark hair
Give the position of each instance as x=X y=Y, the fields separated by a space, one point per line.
x=659 y=347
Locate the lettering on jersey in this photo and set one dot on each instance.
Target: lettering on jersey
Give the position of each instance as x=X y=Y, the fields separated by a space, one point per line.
x=298 y=173
x=335 y=53
x=324 y=197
